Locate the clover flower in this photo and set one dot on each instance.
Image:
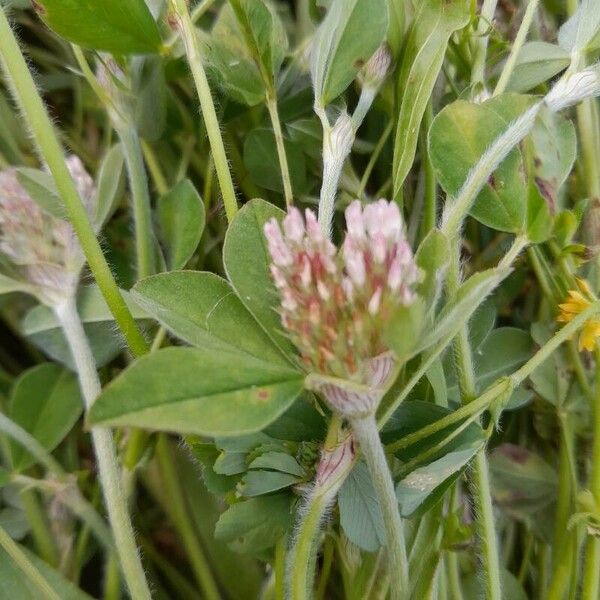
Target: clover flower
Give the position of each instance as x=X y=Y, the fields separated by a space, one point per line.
x=335 y=304
x=578 y=301
x=377 y=67
x=42 y=250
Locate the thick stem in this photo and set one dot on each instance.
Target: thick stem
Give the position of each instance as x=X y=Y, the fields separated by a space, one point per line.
x=194 y=57
x=591 y=572
x=485 y=23
x=463 y=358
x=41 y=127
x=304 y=550
x=283 y=162
x=140 y=199
x=179 y=514
x=105 y=453
x=367 y=435
x=29 y=570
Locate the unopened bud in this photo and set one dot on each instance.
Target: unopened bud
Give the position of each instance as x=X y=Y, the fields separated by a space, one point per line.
x=334 y=466
x=340 y=140
x=572 y=88
x=377 y=67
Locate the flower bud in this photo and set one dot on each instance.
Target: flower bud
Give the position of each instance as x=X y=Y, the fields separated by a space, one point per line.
x=377 y=67
x=43 y=250
x=334 y=465
x=340 y=140
x=572 y=88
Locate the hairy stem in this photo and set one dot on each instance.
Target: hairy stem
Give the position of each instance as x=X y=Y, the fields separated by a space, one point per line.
x=194 y=57
x=481 y=43
x=38 y=121
x=591 y=571
x=367 y=435
x=104 y=447
x=283 y=162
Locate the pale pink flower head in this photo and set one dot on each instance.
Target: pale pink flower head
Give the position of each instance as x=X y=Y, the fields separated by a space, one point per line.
x=377 y=67
x=335 y=305
x=42 y=250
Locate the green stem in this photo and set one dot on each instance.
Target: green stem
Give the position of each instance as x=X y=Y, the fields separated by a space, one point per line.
x=279 y=570
x=179 y=514
x=516 y=47
x=481 y=491
x=41 y=127
x=29 y=570
x=112 y=579
x=194 y=57
x=486 y=17
x=430 y=204
x=162 y=187
x=591 y=571
x=42 y=536
x=283 y=162
x=373 y=158
x=306 y=543
x=328 y=552
x=140 y=198
x=367 y=435
x=104 y=447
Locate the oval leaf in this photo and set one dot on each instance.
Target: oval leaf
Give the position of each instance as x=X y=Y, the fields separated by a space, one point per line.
x=110 y=25
x=188 y=390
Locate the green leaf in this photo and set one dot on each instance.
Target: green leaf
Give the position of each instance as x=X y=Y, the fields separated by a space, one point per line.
x=42 y=189
x=424 y=482
x=230 y=62
x=473 y=587
x=425 y=485
x=189 y=390
x=278 y=461
x=258 y=483
x=255 y=525
x=555 y=150
x=345 y=40
x=432 y=258
x=230 y=463
x=180 y=215
x=459 y=136
x=109 y=185
x=15 y=585
x=264 y=34
x=524 y=486
x=360 y=514
x=260 y=159
x=301 y=422
x=504 y=350
x=110 y=25
x=206 y=454
x=5 y=477
x=246 y=258
x=42 y=328
x=457 y=312
x=201 y=309
x=537 y=62
x=46 y=402
x=581 y=29
x=150 y=89
x=434 y=23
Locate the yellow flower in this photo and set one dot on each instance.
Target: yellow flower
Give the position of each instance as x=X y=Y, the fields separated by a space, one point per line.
x=577 y=302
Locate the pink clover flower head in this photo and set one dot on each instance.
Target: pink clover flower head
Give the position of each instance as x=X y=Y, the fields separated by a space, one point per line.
x=335 y=304
x=42 y=250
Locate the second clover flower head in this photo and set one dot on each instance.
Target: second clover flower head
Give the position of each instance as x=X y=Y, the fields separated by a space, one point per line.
x=42 y=250
x=334 y=304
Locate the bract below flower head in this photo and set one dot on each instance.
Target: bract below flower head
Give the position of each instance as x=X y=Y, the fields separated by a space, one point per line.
x=42 y=249
x=334 y=304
